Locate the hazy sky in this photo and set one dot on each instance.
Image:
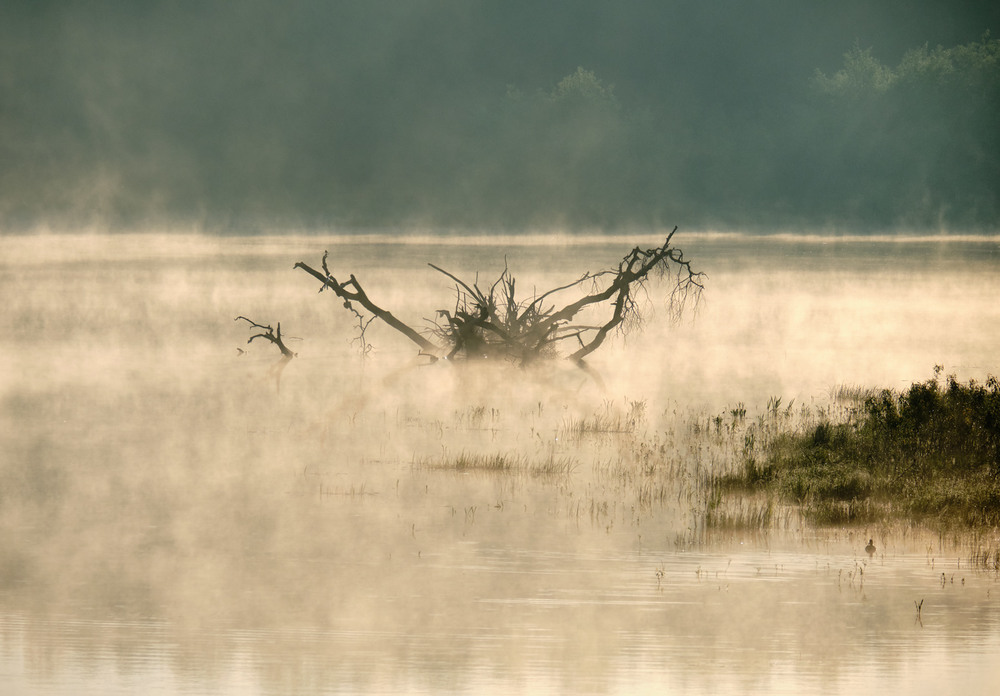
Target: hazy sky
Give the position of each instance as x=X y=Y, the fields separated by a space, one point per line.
x=267 y=114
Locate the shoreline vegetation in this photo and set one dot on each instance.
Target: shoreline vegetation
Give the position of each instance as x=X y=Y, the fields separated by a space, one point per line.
x=928 y=455
x=878 y=463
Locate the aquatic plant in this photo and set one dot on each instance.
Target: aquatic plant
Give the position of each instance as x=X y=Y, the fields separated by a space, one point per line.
x=502 y=463
x=739 y=514
x=608 y=420
x=931 y=453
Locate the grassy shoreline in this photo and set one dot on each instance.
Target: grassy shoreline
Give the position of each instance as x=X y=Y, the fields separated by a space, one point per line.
x=930 y=454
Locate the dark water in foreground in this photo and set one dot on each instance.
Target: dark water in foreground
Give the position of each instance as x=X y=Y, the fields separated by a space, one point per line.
x=175 y=523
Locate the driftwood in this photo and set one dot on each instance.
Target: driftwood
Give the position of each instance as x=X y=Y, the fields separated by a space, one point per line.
x=274 y=336
x=268 y=334
x=493 y=323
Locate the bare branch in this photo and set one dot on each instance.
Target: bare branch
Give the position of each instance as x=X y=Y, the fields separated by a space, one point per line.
x=268 y=334
x=358 y=295
x=495 y=323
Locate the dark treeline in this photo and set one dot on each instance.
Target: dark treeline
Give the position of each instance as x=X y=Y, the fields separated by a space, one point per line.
x=918 y=142
x=458 y=114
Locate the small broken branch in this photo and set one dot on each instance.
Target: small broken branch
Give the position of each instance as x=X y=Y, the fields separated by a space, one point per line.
x=357 y=294
x=268 y=334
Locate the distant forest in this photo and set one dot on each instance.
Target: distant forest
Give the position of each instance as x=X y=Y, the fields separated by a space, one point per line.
x=869 y=147
x=475 y=115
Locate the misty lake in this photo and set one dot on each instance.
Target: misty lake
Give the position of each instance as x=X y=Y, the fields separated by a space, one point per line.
x=181 y=517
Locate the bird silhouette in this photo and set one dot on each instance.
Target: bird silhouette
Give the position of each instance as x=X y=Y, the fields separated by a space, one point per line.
x=871 y=547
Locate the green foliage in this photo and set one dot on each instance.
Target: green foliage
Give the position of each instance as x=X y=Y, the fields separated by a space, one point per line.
x=734 y=135
x=573 y=152
x=912 y=143
x=584 y=86
x=862 y=75
x=969 y=66
x=972 y=66
x=931 y=453
x=931 y=428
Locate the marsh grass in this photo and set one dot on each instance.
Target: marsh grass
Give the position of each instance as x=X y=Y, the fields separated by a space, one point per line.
x=853 y=393
x=865 y=458
x=478 y=417
x=610 y=419
x=930 y=453
x=739 y=513
x=502 y=463
x=986 y=557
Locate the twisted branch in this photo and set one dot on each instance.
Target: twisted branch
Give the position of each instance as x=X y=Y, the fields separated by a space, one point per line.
x=269 y=334
x=495 y=323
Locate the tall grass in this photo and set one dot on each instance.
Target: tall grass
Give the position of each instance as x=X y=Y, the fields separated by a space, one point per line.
x=503 y=463
x=930 y=453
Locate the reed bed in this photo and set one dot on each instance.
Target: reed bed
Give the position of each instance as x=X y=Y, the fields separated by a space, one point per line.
x=865 y=459
x=501 y=463
x=930 y=454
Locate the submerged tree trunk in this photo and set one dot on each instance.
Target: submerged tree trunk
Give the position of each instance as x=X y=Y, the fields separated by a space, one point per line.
x=274 y=336
x=351 y=291
x=268 y=334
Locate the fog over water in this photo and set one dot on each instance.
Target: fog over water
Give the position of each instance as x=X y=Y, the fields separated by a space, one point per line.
x=177 y=520
x=183 y=512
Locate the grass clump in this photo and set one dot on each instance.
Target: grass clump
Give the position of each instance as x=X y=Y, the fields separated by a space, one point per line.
x=485 y=462
x=500 y=463
x=931 y=453
x=740 y=514
x=610 y=420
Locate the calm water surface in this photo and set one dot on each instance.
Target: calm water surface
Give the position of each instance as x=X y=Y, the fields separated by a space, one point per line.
x=179 y=520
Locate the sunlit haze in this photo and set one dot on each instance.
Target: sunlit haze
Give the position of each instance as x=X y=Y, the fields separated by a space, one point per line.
x=467 y=346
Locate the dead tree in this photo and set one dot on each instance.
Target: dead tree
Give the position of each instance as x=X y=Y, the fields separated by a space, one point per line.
x=494 y=323
x=274 y=336
x=269 y=334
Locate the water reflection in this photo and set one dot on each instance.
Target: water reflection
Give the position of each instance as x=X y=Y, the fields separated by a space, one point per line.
x=506 y=620
x=176 y=524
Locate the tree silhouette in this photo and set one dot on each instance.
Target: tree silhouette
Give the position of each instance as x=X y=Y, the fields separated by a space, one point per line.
x=493 y=322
